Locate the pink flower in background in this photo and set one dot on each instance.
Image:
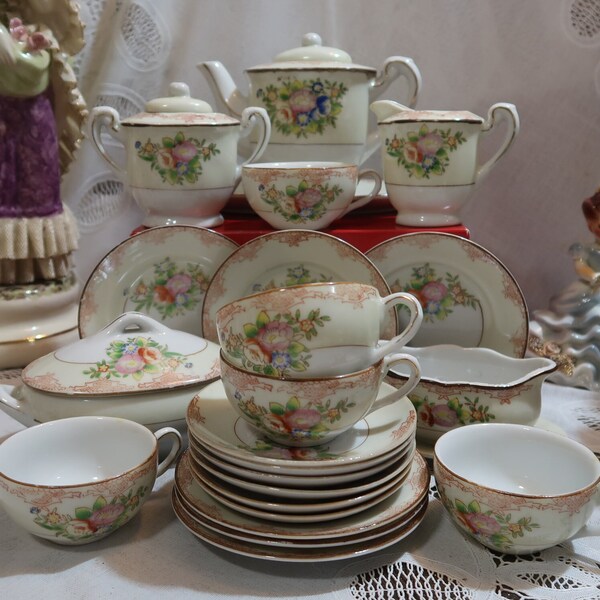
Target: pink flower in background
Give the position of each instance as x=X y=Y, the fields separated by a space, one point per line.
x=275 y=336
x=179 y=284
x=184 y=152
x=430 y=144
x=444 y=416
x=434 y=291
x=129 y=363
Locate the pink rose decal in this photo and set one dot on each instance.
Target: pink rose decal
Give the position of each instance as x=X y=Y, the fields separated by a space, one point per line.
x=307 y=199
x=275 y=336
x=129 y=363
x=434 y=291
x=482 y=524
x=303 y=419
x=430 y=144
x=444 y=416
x=184 y=152
x=179 y=284
x=106 y=515
x=303 y=101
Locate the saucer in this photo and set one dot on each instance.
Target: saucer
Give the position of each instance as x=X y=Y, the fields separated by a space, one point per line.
x=296 y=501
x=163 y=272
x=469 y=297
x=285 y=258
x=293 y=553
x=296 y=543
x=301 y=486
x=213 y=421
x=395 y=507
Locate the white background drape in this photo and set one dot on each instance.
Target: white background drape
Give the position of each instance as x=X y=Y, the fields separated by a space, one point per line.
x=541 y=55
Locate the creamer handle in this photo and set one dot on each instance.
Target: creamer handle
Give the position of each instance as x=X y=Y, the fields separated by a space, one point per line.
x=105 y=117
x=251 y=116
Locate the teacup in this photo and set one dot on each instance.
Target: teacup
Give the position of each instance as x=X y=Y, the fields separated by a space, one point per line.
x=305 y=195
x=514 y=488
x=308 y=412
x=76 y=480
x=312 y=330
x=431 y=164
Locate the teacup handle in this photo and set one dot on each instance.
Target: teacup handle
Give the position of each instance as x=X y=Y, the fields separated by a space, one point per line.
x=497 y=112
x=264 y=135
x=415 y=320
x=407 y=388
x=164 y=464
x=108 y=118
x=362 y=200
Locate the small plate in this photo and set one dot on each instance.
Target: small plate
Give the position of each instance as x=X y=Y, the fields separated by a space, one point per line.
x=163 y=272
x=213 y=421
x=295 y=543
x=469 y=297
x=396 y=506
x=322 y=507
x=289 y=486
x=285 y=258
x=295 y=553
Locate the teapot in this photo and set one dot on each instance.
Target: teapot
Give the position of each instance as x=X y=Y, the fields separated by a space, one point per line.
x=317 y=100
x=182 y=164
x=430 y=158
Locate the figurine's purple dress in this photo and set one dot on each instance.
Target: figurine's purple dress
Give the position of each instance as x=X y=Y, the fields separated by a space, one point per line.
x=29 y=161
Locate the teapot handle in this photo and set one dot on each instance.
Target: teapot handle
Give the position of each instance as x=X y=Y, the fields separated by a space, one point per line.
x=394 y=67
x=496 y=113
x=251 y=116
x=106 y=117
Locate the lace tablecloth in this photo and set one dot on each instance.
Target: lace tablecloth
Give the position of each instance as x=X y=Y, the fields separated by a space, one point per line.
x=154 y=556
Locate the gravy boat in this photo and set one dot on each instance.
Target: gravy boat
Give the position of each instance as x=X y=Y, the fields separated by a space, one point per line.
x=460 y=386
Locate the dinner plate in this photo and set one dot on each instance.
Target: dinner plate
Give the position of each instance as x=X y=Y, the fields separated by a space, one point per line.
x=163 y=272
x=294 y=553
x=288 y=486
x=285 y=258
x=396 y=506
x=212 y=420
x=469 y=297
x=296 y=504
x=296 y=543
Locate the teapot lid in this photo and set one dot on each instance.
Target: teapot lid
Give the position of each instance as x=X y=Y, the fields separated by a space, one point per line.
x=312 y=54
x=179 y=108
x=133 y=354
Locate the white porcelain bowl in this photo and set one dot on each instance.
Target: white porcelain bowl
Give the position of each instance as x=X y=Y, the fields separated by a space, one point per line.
x=74 y=481
x=513 y=488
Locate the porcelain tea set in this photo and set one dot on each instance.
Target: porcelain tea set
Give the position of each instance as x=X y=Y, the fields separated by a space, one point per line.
x=308 y=378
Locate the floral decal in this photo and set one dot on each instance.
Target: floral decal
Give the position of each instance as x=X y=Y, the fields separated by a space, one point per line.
x=302 y=107
x=300 y=204
x=437 y=295
x=136 y=356
x=294 y=276
x=275 y=346
x=424 y=153
x=177 y=160
x=87 y=522
x=494 y=529
x=173 y=291
x=452 y=413
x=270 y=449
x=292 y=420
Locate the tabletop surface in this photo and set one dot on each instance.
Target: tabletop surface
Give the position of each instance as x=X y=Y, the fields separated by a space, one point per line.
x=155 y=556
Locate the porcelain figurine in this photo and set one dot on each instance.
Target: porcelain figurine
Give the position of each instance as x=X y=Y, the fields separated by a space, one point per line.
x=567 y=332
x=182 y=163
x=430 y=158
x=317 y=100
x=41 y=113
x=41 y=119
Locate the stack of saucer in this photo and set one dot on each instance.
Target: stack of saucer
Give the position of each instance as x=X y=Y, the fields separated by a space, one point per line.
x=361 y=492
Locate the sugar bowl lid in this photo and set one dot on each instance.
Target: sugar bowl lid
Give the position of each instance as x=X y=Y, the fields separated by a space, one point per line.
x=133 y=354
x=312 y=55
x=178 y=108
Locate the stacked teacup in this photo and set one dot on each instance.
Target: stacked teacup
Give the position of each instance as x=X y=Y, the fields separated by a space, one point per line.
x=310 y=433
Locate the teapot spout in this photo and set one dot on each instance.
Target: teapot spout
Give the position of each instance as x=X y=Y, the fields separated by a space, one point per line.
x=229 y=98
x=384 y=109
